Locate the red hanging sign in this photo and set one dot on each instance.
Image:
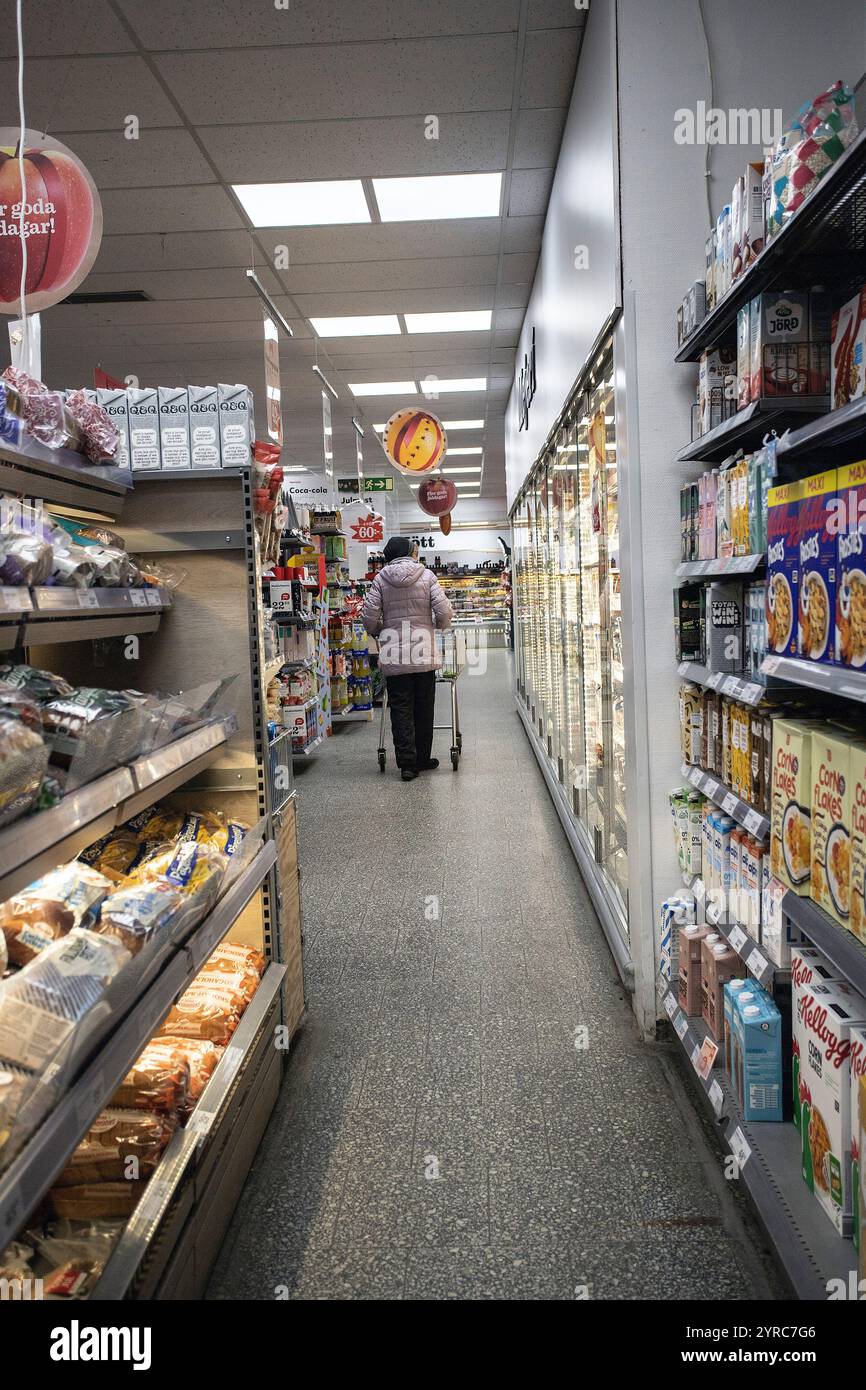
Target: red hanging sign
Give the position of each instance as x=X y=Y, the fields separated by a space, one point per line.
x=369 y=530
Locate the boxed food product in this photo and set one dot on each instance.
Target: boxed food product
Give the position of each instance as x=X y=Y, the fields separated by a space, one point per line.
x=783 y=567
x=204 y=426
x=717 y=372
x=779 y=344
x=724 y=629
x=730 y=990
x=833 y=755
x=816 y=606
x=49 y=908
x=850 y=524
x=790 y=818
x=115 y=403
x=719 y=964
x=143 y=427
x=689 y=984
x=710 y=269
x=236 y=425
x=848 y=351
x=752 y=233
x=744 y=359
x=174 y=427
x=857 y=1064
x=857 y=790
x=823 y=1015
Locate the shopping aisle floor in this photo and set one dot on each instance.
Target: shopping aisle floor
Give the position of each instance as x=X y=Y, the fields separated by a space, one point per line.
x=438 y=1134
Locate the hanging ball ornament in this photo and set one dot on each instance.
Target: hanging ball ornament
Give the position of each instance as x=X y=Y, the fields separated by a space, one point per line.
x=415 y=441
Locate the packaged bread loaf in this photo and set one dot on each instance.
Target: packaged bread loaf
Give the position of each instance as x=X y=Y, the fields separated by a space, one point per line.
x=195 y=868
x=208 y=1009
x=97 y=1201
x=65 y=898
x=237 y=968
x=159 y=1078
x=202 y=1058
x=23 y=763
x=16 y=1086
x=120 y=1146
x=91 y=730
x=141 y=911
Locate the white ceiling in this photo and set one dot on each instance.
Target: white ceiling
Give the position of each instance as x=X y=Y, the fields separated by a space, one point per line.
x=232 y=92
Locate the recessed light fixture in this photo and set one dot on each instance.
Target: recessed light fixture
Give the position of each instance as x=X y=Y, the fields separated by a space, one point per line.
x=316 y=204
x=464 y=321
x=433 y=385
x=431 y=197
x=468 y=496
x=357 y=326
x=461 y=424
x=383 y=388
x=466 y=449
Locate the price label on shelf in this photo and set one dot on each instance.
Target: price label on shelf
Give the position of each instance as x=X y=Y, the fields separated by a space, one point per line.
x=856 y=692
x=751 y=692
x=716 y=679
x=700 y=567
x=770 y=665
x=138 y=598
x=696 y=1056
x=155 y=1197
x=681 y=1027
x=730 y=803
x=200 y=1122
x=754 y=822
x=231 y=1060
x=711 y=786
x=683 y=668
x=740 y=1147
x=737 y=938
x=685 y=770
x=758 y=964
x=730 y=686
x=14 y=599
x=88 y=598
x=154 y=598
x=717 y=1097
x=670 y=1005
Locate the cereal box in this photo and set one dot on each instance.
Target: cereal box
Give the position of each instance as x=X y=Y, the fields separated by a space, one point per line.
x=823 y=1015
x=783 y=567
x=850 y=528
x=848 y=351
x=861 y=1128
x=791 y=808
x=808 y=966
x=857 y=1062
x=857 y=782
x=816 y=604
x=831 y=821
x=779 y=344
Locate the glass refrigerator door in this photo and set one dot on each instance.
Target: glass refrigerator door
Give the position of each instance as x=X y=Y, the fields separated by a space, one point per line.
x=555 y=723
x=591 y=640
x=573 y=753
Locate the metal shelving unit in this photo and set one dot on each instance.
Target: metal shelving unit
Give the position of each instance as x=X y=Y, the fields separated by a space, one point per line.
x=62 y=476
x=748 y=816
x=831 y=680
x=710 y=569
x=46 y=615
x=748 y=692
x=841 y=947
x=746 y=428
x=834 y=439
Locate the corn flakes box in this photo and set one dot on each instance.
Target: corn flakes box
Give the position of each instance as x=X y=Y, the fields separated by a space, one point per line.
x=831 y=821
x=857 y=778
x=850 y=528
x=791 y=803
x=816 y=600
x=783 y=568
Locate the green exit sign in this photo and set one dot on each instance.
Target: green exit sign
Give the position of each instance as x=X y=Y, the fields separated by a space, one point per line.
x=370 y=484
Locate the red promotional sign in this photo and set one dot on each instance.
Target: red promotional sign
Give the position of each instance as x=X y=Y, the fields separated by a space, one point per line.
x=62 y=221
x=103 y=381
x=369 y=530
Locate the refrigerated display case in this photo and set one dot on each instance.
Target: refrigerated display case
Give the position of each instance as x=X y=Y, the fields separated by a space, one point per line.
x=568 y=624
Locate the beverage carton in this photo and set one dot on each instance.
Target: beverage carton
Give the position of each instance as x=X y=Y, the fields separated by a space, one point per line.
x=752 y=235
x=848 y=351
x=783 y=567
x=143 y=427
x=831 y=820
x=816 y=606
x=204 y=426
x=116 y=406
x=779 y=344
x=722 y=964
x=758 y=1057
x=857 y=1062
x=823 y=1015
x=850 y=526
x=717 y=370
x=791 y=810
x=174 y=427
x=236 y=425
x=689 y=988
x=744 y=368
x=724 y=635
x=731 y=989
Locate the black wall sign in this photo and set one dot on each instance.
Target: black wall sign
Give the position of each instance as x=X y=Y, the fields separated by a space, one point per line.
x=526 y=386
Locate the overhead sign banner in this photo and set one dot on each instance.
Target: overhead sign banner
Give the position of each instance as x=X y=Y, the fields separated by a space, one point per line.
x=328 y=439
x=272 y=381
x=59 y=214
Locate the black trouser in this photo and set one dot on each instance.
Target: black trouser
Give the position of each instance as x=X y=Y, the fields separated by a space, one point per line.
x=412 y=700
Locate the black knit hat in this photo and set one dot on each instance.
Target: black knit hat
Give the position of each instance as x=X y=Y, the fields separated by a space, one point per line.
x=396 y=548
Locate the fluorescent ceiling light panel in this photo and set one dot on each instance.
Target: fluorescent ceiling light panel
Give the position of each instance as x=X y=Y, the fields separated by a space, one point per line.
x=460 y=424
x=464 y=321
x=357 y=326
x=466 y=449
x=468 y=496
x=446 y=469
x=317 y=204
x=432 y=197
x=431 y=385
x=474 y=482
x=383 y=388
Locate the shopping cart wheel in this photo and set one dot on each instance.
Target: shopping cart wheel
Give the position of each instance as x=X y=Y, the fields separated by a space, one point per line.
x=455 y=758
x=382 y=760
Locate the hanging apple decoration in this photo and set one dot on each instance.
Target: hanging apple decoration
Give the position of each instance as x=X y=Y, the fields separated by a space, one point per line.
x=436 y=496
x=62 y=221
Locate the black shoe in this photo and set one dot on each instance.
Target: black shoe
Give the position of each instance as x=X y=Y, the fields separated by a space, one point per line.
x=429 y=766
x=408 y=774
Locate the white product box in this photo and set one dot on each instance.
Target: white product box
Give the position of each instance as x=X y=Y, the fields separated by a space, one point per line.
x=174 y=427
x=715 y=370
x=779 y=336
x=752 y=229
x=204 y=426
x=236 y=425
x=823 y=1015
x=779 y=938
x=116 y=405
x=143 y=427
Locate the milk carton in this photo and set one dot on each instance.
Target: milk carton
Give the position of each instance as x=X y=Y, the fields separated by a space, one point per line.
x=689 y=990
x=831 y=821
x=116 y=406
x=731 y=989
x=816 y=604
x=174 y=427
x=823 y=1015
x=143 y=427
x=857 y=1063
x=720 y=966
x=236 y=425
x=758 y=1057
x=204 y=426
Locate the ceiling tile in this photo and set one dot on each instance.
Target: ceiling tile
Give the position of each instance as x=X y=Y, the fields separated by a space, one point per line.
x=395 y=275
x=554 y=14
x=468 y=142
x=160 y=156
x=173 y=251
x=75 y=26
x=518 y=268
x=529 y=192
x=538 y=137
x=178 y=311
x=511 y=319
x=90 y=93
x=513 y=296
x=199 y=208
x=391 y=301
x=385 y=241
x=388 y=79
x=549 y=66
x=522 y=233
x=175 y=284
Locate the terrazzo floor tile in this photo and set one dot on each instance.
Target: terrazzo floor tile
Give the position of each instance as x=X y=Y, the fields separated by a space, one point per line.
x=494 y=1273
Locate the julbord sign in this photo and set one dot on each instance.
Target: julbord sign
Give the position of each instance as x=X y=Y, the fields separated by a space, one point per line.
x=57 y=216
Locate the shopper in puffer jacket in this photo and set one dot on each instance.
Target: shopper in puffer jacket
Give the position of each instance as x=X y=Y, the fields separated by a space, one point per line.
x=404 y=607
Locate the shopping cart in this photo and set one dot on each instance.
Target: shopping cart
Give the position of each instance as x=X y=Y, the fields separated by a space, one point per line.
x=451 y=653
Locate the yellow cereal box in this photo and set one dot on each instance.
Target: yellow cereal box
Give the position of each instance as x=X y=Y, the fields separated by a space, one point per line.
x=831 y=821
x=791 y=806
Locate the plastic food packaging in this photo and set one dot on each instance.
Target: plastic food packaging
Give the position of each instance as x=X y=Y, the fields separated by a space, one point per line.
x=44 y=413
x=202 y=1058
x=115 y=855
x=159 y=1078
x=86 y=533
x=40 y=686
x=97 y=1201
x=99 y=431
x=120 y=1146
x=236 y=967
x=196 y=869
x=76 y=1256
x=140 y=912
x=23 y=762
x=820 y=133
x=49 y=908
x=208 y=1010
x=15 y=704
x=91 y=730
x=15 y=1263
x=25 y=558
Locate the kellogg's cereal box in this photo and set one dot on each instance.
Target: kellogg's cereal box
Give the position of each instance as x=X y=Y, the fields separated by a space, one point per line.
x=823 y=1015
x=848 y=351
x=857 y=1062
x=831 y=821
x=783 y=567
x=808 y=966
x=850 y=526
x=816 y=607
x=791 y=807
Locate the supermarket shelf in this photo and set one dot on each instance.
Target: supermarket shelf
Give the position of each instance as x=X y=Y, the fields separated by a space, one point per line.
x=34 y=844
x=747 y=948
x=840 y=946
x=748 y=692
x=830 y=224
x=272 y=669
x=364 y=716
x=833 y=680
x=75 y=615
x=178 y=1163
x=753 y=820
x=62 y=476
x=835 y=438
x=296 y=619
x=31 y=1174
x=746 y=428
x=308 y=747
x=807 y=1245
x=707 y=569
x=170 y=475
